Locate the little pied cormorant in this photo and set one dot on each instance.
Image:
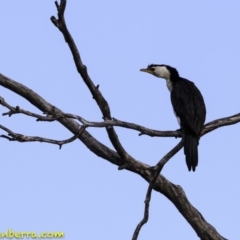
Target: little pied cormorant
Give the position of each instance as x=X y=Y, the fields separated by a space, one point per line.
x=188 y=106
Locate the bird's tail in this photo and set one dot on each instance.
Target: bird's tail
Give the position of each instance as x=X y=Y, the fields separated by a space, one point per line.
x=191 y=151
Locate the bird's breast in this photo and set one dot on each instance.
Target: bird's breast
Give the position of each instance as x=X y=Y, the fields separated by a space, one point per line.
x=178 y=118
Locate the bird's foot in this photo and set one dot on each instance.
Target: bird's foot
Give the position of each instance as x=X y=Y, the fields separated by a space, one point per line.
x=179 y=131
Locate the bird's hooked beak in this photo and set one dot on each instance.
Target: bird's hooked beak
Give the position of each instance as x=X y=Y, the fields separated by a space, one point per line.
x=147 y=70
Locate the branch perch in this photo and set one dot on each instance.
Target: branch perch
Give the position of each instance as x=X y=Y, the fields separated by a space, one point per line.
x=221 y=122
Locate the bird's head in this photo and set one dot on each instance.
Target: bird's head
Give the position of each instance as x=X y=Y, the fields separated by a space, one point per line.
x=161 y=71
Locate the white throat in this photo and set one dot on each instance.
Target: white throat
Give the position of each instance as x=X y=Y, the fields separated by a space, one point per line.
x=169 y=84
x=162 y=72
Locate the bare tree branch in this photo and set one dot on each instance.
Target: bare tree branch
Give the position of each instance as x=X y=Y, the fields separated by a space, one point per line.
x=156 y=171
x=105 y=124
x=221 y=122
x=18 y=110
x=82 y=70
x=173 y=192
x=23 y=138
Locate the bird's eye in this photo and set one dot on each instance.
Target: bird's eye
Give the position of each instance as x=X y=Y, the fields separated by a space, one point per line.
x=152 y=69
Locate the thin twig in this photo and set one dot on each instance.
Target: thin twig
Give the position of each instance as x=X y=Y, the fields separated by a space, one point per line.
x=156 y=171
x=18 y=110
x=12 y=136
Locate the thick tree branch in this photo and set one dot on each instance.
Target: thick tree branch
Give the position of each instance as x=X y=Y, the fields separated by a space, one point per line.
x=173 y=192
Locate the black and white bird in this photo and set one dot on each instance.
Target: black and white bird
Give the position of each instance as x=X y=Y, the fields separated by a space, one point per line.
x=189 y=108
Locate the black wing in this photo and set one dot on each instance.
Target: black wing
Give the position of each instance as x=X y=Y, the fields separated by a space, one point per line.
x=189 y=106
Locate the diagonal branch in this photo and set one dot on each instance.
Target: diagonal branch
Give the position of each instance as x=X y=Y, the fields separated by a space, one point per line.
x=171 y=191
x=82 y=70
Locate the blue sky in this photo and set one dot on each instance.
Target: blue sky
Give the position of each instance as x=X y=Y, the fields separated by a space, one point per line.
x=72 y=190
